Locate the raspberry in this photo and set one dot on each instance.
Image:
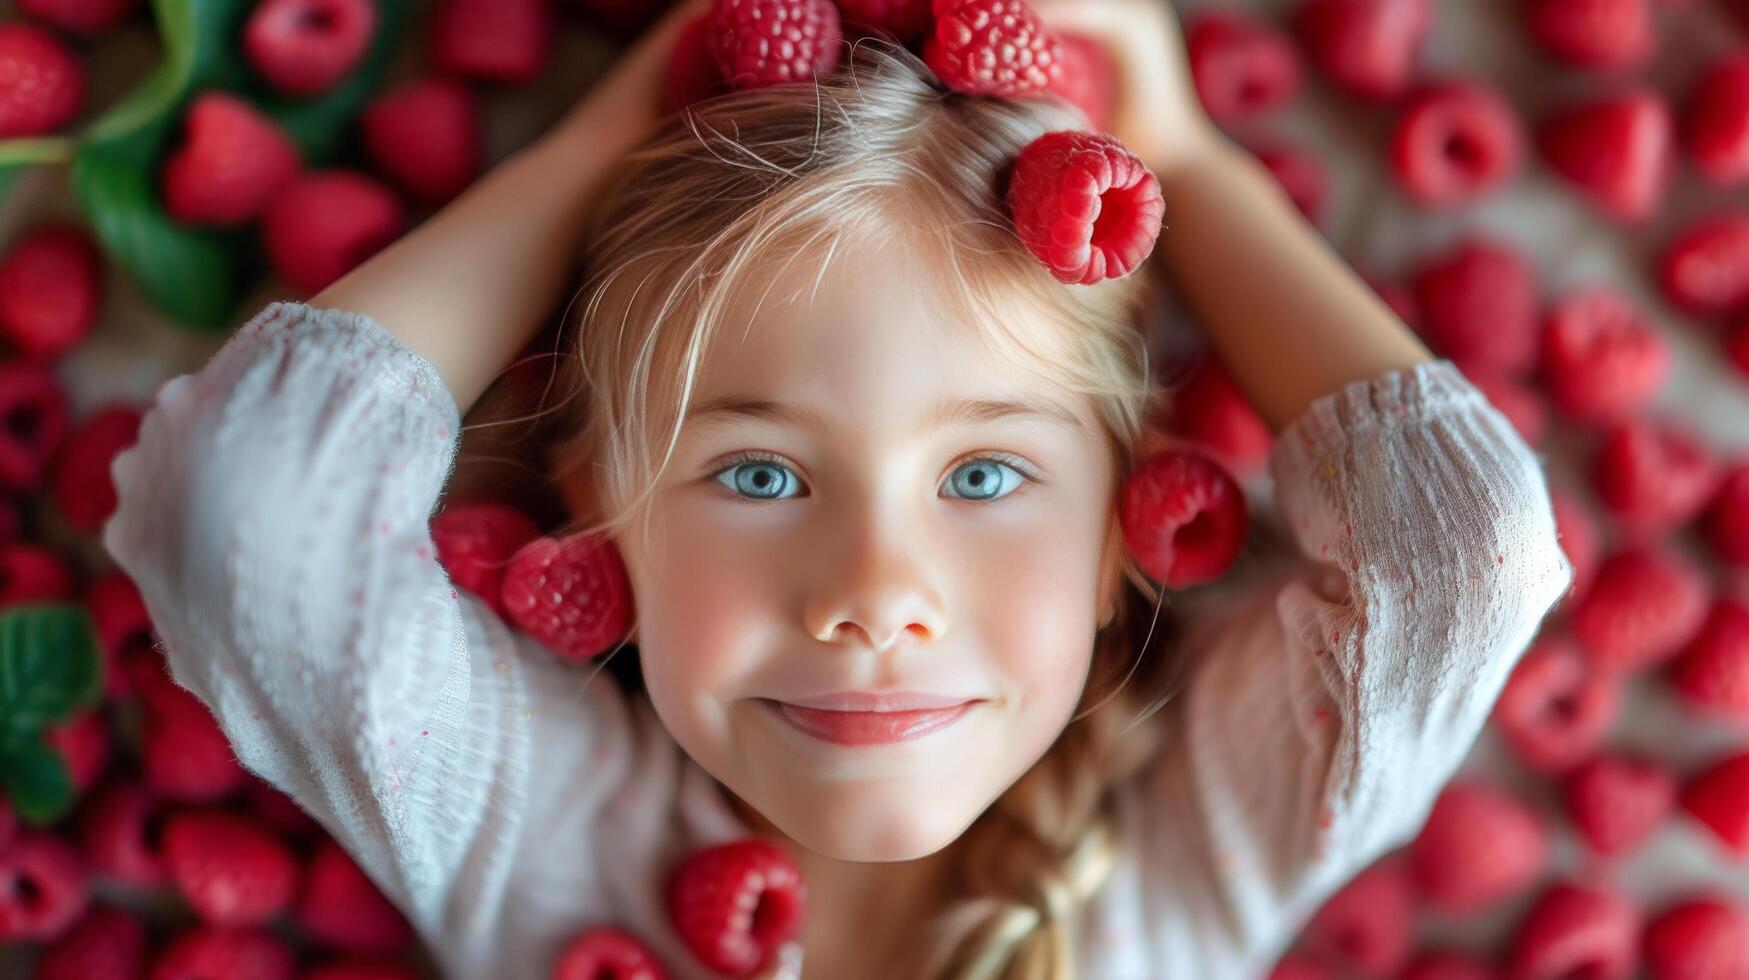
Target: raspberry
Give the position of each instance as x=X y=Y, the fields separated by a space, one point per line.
x=1702 y=937
x=1617 y=801
x=1705 y=271
x=904 y=20
x=1599 y=34
x=33 y=408
x=82 y=742
x=1715 y=122
x=1089 y=80
x=1718 y=797
x=1369 y=924
x=1085 y=206
x=42 y=83
x=1574 y=931
x=1294 y=966
x=51 y=288
x=305 y=47
x=43 y=886
x=1618 y=151
x=371 y=971
x=1737 y=348
x=475 y=541
x=1478 y=304
x=774 y=42
x=1367 y=48
x=1479 y=845
x=341 y=907
x=605 y=951
x=1211 y=411
x=569 y=593
x=233 y=160
x=993 y=47
x=120 y=829
x=502 y=41
x=1455 y=142
x=327 y=223
x=1513 y=398
x=206 y=953
x=1184 y=518
x=1242 y=66
x=1601 y=361
x=106 y=942
x=1444 y=965
x=1555 y=710
x=1712 y=673
x=425 y=135
x=186 y=755
x=1727 y=518
x=712 y=897
x=124 y=628
x=1654 y=475
x=691 y=74
x=278 y=810
x=1645 y=605
x=79 y=16
x=1300 y=173
x=84 y=491
x=31 y=573
x=232 y=870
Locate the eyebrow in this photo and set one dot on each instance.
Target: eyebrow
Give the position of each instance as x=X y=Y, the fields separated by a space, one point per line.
x=944 y=413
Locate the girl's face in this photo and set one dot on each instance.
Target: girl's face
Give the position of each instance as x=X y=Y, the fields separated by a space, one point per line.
x=841 y=515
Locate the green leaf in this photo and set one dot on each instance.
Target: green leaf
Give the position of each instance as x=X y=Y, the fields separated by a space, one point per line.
x=50 y=667
x=20 y=154
x=37 y=782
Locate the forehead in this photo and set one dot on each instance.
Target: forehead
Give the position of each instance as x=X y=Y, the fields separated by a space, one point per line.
x=868 y=335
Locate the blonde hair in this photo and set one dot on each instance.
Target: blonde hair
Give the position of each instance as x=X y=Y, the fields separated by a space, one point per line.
x=878 y=147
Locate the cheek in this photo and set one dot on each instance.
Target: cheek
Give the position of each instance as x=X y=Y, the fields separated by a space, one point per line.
x=1036 y=607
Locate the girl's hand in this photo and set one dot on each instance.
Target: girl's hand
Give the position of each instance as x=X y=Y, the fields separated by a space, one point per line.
x=631 y=91
x=1158 y=116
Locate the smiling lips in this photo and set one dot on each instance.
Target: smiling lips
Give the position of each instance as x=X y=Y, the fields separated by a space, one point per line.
x=869 y=727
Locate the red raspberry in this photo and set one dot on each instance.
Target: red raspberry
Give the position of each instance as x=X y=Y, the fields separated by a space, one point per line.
x=342 y=908
x=79 y=16
x=51 y=288
x=993 y=47
x=1242 y=66
x=278 y=810
x=1618 y=151
x=43 y=886
x=713 y=894
x=33 y=407
x=1574 y=931
x=425 y=135
x=1455 y=142
x=187 y=757
x=1718 y=797
x=232 y=870
x=1367 y=48
x=120 y=830
x=1712 y=673
x=1654 y=475
x=42 y=83
x=31 y=573
x=1445 y=965
x=124 y=628
x=327 y=223
x=1737 y=348
x=106 y=942
x=233 y=161
x=502 y=41
x=691 y=74
x=349 y=970
x=305 y=47
x=1703 y=937
x=1601 y=361
x=1555 y=710
x=570 y=593
x=1299 y=172
x=206 y=953
x=1209 y=409
x=1089 y=80
x=774 y=42
x=1480 y=845
x=1514 y=398
x=1715 y=122
x=1645 y=605
x=1478 y=304
x=84 y=491
x=82 y=742
x=1727 y=518
x=1085 y=206
x=1184 y=518
x=1294 y=966
x=1369 y=924
x=1617 y=801
x=1705 y=271
x=1600 y=34
x=904 y=20
x=605 y=951
x=476 y=540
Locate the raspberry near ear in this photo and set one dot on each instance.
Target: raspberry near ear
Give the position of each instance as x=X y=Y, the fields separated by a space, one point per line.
x=1086 y=206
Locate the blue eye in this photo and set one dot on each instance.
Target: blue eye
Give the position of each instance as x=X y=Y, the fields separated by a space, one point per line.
x=982 y=479
x=759 y=479
x=763 y=478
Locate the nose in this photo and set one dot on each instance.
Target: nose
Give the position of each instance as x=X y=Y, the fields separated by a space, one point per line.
x=877 y=592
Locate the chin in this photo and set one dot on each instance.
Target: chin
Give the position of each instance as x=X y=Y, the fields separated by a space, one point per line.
x=898 y=830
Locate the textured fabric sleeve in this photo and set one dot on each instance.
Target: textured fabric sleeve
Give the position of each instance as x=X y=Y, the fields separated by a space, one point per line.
x=1325 y=714
x=275 y=515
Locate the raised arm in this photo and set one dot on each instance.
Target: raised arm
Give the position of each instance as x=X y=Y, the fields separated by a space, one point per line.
x=471 y=284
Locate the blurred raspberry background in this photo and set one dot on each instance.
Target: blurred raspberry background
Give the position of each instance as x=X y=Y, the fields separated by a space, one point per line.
x=1553 y=193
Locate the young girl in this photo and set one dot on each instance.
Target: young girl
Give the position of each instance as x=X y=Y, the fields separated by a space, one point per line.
x=848 y=434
